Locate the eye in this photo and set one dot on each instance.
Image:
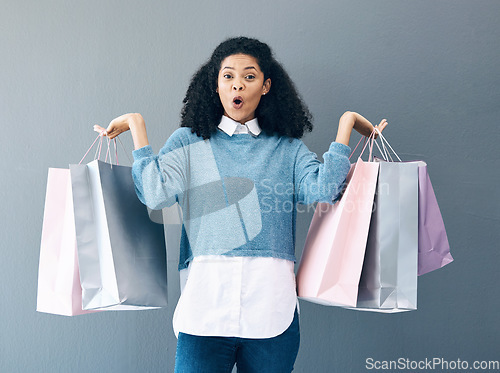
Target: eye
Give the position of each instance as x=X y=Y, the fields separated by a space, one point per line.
x=227 y=76
x=250 y=77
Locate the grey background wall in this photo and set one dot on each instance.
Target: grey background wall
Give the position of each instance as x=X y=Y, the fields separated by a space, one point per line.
x=429 y=67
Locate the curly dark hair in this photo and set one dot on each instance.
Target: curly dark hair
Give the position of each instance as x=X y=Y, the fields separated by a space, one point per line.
x=280 y=112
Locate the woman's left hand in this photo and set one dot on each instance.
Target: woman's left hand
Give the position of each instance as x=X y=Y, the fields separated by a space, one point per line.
x=351 y=120
x=363 y=125
x=366 y=129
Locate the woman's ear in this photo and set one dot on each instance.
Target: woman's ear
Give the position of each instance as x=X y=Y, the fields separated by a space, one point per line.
x=267 y=86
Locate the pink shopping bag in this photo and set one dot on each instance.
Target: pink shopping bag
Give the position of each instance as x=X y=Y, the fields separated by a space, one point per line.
x=331 y=263
x=59 y=290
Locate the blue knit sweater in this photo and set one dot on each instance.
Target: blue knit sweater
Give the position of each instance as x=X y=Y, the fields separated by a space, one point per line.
x=233 y=210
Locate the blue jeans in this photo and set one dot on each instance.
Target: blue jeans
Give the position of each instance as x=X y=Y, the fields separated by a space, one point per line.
x=199 y=354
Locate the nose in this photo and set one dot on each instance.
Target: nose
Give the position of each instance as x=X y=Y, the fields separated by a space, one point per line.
x=237 y=86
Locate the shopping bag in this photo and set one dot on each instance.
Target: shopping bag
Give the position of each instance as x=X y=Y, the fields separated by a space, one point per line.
x=59 y=291
x=332 y=258
x=433 y=246
x=121 y=252
x=388 y=280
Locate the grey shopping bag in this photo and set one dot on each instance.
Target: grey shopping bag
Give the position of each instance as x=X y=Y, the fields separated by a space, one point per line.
x=121 y=252
x=433 y=245
x=389 y=276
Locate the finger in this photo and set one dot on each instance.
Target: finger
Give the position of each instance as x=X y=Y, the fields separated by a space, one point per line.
x=99 y=129
x=111 y=133
x=382 y=125
x=110 y=126
x=114 y=133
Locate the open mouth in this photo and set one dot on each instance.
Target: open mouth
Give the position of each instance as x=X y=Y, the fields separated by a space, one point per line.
x=238 y=102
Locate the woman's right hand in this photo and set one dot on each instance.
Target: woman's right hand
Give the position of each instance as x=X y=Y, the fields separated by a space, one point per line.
x=133 y=122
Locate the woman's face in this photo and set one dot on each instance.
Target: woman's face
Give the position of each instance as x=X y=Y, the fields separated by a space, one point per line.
x=240 y=86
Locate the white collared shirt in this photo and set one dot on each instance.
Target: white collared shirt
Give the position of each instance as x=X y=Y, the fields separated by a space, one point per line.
x=231 y=127
x=230 y=296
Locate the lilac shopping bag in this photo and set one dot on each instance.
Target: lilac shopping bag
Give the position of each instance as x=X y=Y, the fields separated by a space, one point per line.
x=433 y=246
x=59 y=289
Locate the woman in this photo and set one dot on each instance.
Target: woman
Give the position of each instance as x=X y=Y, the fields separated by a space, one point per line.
x=238 y=169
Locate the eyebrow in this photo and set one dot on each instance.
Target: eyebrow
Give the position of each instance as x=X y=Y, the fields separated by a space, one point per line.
x=246 y=68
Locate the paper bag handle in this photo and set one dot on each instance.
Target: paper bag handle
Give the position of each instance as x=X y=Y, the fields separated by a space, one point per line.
x=384 y=141
x=371 y=139
x=99 y=149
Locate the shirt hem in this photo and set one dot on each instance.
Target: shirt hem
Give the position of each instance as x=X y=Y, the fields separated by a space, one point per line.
x=245 y=253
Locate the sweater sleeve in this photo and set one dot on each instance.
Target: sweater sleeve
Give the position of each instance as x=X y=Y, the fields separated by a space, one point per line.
x=320 y=182
x=160 y=179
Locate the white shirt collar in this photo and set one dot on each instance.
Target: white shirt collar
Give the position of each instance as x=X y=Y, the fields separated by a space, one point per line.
x=229 y=126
